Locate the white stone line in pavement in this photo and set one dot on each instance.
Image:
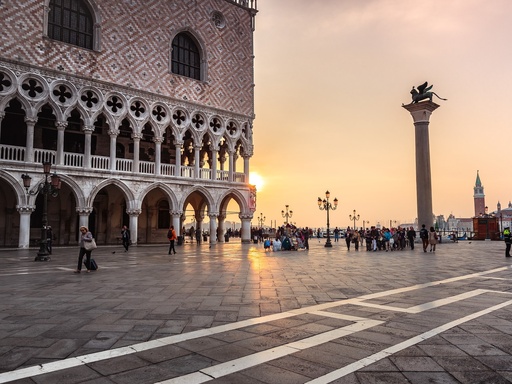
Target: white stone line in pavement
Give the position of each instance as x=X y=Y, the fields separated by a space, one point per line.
x=425 y=306
x=339 y=373
x=6 y=377
x=262 y=357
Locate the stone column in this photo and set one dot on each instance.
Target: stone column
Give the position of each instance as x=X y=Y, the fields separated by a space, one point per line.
x=24 y=236
x=176 y=221
x=213 y=228
x=246 y=228
x=134 y=224
x=88 y=130
x=83 y=220
x=246 y=167
x=61 y=127
x=420 y=113
x=2 y=115
x=29 y=147
x=213 y=164
x=158 y=154
x=231 y=165
x=177 y=147
x=113 y=143
x=197 y=162
x=136 y=151
x=221 y=229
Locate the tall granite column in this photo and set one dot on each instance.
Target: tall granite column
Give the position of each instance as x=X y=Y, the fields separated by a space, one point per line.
x=420 y=113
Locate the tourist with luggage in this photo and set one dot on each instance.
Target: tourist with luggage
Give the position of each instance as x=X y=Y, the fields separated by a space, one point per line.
x=87 y=244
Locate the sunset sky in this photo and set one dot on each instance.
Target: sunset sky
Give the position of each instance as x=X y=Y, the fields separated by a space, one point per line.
x=331 y=76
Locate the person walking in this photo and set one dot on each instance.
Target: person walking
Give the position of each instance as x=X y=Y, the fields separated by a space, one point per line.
x=49 y=239
x=424 y=237
x=171 y=235
x=432 y=239
x=508 y=241
x=305 y=235
x=125 y=236
x=411 y=236
x=85 y=236
x=348 y=237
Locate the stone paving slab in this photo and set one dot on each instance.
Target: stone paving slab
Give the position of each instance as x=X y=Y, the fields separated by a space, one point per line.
x=233 y=313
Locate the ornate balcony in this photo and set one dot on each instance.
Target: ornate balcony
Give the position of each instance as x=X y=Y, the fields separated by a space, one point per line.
x=14 y=154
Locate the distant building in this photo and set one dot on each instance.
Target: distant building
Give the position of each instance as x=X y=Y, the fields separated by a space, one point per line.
x=479 y=197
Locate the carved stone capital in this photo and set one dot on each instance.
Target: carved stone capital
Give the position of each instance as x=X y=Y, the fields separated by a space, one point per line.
x=179 y=143
x=30 y=120
x=176 y=213
x=113 y=132
x=136 y=136
x=134 y=212
x=245 y=217
x=88 y=129
x=61 y=125
x=84 y=211
x=2 y=115
x=213 y=216
x=25 y=208
x=158 y=140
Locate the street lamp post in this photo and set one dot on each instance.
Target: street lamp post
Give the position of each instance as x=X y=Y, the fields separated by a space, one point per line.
x=261 y=220
x=46 y=188
x=325 y=205
x=287 y=215
x=354 y=218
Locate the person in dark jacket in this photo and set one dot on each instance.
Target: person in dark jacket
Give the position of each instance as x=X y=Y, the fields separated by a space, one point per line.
x=125 y=236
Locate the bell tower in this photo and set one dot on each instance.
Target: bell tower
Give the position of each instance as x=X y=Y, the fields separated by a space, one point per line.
x=479 y=196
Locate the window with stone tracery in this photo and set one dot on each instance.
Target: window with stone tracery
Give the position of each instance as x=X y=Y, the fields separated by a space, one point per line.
x=185 y=58
x=71 y=21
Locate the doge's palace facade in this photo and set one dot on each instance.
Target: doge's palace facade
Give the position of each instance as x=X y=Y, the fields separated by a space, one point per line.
x=144 y=108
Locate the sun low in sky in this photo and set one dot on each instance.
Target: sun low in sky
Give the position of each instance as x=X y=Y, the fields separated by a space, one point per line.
x=257 y=180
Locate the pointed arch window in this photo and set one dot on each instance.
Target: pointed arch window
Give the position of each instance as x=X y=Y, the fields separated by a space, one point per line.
x=185 y=58
x=71 y=21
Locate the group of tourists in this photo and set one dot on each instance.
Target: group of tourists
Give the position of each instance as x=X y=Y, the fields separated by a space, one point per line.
x=374 y=239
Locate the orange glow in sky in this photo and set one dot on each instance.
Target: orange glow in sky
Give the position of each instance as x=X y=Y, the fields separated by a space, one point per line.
x=331 y=77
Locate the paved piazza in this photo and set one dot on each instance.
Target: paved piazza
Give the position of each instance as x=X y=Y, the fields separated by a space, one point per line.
x=235 y=314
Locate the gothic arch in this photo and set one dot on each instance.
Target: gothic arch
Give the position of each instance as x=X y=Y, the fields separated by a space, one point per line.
x=201 y=190
x=238 y=197
x=173 y=201
x=96 y=15
x=131 y=202
x=16 y=185
x=203 y=53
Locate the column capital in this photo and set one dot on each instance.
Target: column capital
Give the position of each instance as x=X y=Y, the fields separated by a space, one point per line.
x=136 y=136
x=213 y=216
x=421 y=112
x=25 y=208
x=61 y=125
x=2 y=114
x=176 y=213
x=134 y=212
x=113 y=132
x=179 y=142
x=30 y=120
x=84 y=211
x=158 y=140
x=88 y=129
x=245 y=216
